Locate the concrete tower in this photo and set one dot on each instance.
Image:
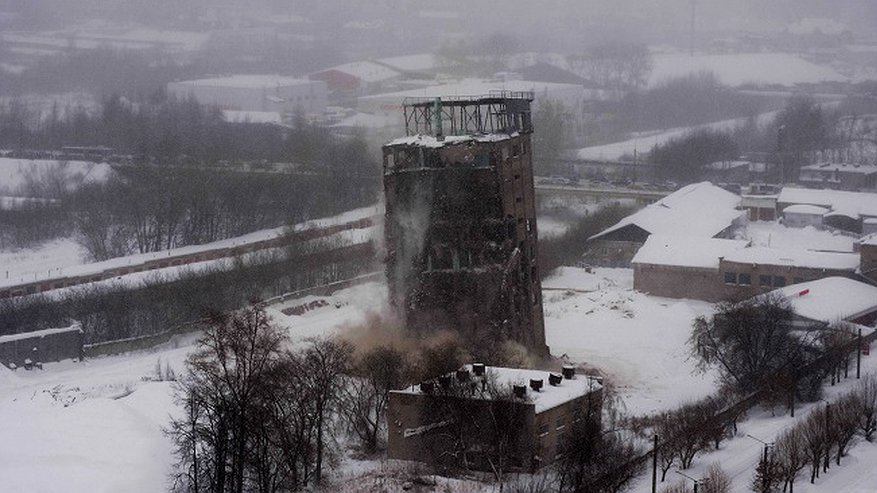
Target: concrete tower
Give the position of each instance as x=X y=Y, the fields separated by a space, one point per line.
x=461 y=221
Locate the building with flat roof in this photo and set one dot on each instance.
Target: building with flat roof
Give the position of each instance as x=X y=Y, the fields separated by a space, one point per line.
x=839 y=176
x=683 y=266
x=846 y=210
x=480 y=414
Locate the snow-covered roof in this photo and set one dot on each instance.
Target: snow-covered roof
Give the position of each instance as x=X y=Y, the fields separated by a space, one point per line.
x=366 y=71
x=831 y=299
x=697 y=210
x=864 y=169
x=851 y=204
x=805 y=209
x=795 y=258
x=247 y=81
x=548 y=397
x=39 y=333
x=870 y=240
x=251 y=116
x=685 y=251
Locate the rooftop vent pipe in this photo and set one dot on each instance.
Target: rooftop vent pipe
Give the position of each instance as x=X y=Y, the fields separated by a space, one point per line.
x=569 y=372
x=519 y=390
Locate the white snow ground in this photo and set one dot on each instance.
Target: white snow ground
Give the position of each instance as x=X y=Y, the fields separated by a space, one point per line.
x=642 y=142
x=96 y=426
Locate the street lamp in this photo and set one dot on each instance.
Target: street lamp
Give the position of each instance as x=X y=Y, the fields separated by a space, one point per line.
x=697 y=482
x=765 y=476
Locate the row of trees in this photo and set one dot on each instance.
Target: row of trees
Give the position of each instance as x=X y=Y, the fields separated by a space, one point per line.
x=826 y=433
x=163 y=129
x=684 y=432
x=799 y=128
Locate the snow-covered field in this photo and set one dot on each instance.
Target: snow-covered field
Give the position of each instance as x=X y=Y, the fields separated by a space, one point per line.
x=72 y=423
x=643 y=142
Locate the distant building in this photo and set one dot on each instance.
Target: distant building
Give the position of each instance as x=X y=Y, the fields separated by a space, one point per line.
x=537 y=407
x=846 y=210
x=700 y=210
x=256 y=93
x=356 y=78
x=755 y=270
x=839 y=176
x=803 y=215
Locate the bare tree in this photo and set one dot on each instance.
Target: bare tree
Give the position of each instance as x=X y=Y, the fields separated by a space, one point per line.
x=749 y=342
x=867 y=392
x=716 y=480
x=791 y=456
x=365 y=393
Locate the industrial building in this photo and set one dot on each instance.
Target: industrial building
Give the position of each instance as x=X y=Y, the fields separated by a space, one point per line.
x=461 y=220
x=256 y=93
x=519 y=417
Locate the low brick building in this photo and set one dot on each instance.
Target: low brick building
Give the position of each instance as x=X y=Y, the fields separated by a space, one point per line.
x=41 y=346
x=756 y=270
x=465 y=413
x=682 y=267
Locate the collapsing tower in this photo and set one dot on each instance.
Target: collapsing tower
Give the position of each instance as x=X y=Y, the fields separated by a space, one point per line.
x=461 y=220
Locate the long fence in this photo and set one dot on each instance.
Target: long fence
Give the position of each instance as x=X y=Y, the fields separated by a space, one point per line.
x=173 y=260
x=150 y=341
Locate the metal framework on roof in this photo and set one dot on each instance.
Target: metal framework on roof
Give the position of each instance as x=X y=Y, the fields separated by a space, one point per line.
x=498 y=112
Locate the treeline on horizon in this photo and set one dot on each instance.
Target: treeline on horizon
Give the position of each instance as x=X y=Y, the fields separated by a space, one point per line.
x=164 y=129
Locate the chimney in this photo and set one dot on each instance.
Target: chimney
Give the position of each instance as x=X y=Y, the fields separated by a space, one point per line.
x=554 y=379
x=519 y=390
x=569 y=372
x=478 y=369
x=536 y=384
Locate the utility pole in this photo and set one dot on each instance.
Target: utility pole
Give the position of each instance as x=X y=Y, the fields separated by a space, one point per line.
x=859 y=356
x=655 y=466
